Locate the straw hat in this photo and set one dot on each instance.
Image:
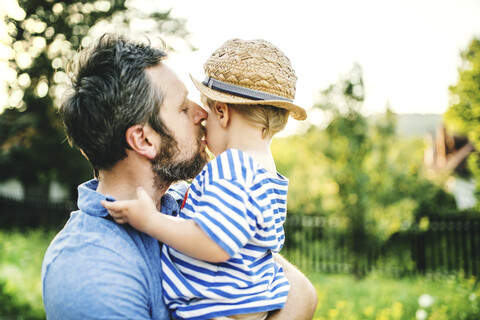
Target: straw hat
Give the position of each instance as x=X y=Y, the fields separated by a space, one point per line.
x=253 y=72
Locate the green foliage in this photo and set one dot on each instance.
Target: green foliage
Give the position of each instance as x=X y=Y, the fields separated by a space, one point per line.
x=463 y=114
x=359 y=172
x=43 y=36
x=21 y=256
x=11 y=308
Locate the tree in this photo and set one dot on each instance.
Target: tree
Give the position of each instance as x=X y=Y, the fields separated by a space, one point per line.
x=348 y=146
x=463 y=114
x=356 y=171
x=42 y=37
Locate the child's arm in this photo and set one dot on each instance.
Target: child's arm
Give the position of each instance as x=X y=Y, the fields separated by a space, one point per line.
x=182 y=235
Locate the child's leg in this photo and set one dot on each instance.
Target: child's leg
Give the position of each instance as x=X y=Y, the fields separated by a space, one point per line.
x=246 y=316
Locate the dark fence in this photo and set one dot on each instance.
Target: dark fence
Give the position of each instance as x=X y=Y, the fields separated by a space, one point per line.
x=446 y=246
x=33 y=213
x=313 y=243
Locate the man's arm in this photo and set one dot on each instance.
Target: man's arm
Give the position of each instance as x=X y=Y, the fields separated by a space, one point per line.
x=302 y=297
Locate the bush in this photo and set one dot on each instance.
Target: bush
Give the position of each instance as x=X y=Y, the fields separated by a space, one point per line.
x=21 y=255
x=12 y=308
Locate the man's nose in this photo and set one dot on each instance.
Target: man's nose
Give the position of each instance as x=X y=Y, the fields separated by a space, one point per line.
x=200 y=114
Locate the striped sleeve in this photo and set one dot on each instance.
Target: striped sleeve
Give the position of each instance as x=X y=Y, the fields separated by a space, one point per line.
x=222 y=212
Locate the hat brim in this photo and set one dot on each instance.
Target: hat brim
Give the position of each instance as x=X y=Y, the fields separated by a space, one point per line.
x=296 y=112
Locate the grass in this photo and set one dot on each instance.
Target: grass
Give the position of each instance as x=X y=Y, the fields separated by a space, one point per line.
x=382 y=298
x=340 y=296
x=21 y=255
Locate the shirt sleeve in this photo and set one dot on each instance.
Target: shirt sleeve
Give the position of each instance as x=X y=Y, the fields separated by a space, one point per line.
x=223 y=212
x=94 y=283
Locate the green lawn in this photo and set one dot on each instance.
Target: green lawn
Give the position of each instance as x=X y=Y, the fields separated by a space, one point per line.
x=21 y=255
x=382 y=298
x=340 y=296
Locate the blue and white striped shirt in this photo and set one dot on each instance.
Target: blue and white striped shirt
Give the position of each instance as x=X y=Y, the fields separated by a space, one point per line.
x=242 y=207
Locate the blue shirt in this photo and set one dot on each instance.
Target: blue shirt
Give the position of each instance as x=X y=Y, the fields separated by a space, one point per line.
x=98 y=269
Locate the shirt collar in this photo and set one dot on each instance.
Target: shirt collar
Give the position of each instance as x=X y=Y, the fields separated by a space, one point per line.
x=89 y=200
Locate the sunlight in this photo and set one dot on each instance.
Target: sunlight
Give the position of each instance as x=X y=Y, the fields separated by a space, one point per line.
x=102 y=5
x=23 y=59
x=57 y=8
x=6 y=52
x=42 y=89
x=39 y=42
x=7 y=75
x=15 y=98
x=34 y=26
x=24 y=80
x=12 y=9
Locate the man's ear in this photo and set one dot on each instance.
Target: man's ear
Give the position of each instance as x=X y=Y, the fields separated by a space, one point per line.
x=141 y=139
x=222 y=112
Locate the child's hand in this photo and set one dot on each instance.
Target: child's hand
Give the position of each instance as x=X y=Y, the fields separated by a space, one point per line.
x=136 y=212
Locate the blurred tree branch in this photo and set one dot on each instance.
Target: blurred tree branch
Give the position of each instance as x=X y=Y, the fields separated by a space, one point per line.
x=37 y=40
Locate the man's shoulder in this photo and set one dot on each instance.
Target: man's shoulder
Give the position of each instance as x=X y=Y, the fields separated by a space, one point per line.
x=85 y=232
x=86 y=238
x=94 y=261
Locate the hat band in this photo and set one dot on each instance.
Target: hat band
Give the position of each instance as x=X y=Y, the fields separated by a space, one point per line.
x=241 y=91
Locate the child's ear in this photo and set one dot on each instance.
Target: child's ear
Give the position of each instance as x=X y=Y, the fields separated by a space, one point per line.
x=141 y=139
x=223 y=113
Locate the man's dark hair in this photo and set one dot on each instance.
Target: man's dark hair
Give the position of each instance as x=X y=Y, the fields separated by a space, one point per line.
x=110 y=93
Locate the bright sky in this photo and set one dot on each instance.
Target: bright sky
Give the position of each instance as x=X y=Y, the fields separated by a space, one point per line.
x=409 y=49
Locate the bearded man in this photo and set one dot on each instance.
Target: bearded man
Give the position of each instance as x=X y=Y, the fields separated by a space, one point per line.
x=129 y=115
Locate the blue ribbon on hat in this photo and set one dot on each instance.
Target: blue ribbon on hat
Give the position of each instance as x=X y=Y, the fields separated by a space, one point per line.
x=241 y=91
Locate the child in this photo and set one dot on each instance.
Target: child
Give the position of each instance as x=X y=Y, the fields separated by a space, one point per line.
x=217 y=259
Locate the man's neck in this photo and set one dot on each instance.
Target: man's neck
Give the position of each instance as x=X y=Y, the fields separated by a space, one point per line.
x=122 y=181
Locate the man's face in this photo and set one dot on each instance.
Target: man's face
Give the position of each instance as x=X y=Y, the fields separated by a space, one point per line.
x=184 y=157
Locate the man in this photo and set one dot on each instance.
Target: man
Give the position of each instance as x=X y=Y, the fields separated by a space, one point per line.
x=130 y=116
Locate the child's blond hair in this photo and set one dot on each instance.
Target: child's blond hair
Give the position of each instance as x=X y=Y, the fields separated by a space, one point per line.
x=272 y=119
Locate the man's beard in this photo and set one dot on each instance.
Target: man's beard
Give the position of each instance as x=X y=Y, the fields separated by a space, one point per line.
x=167 y=169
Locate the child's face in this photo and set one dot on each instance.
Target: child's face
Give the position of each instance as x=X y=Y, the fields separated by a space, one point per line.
x=215 y=136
